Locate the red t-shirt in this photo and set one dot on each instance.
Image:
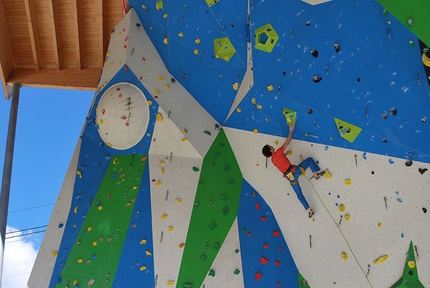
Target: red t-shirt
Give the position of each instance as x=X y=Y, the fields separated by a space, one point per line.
x=280 y=160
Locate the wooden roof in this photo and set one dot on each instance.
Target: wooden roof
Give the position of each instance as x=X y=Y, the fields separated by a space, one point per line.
x=55 y=43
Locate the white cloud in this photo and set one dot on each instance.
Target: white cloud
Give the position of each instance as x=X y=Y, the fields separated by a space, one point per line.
x=19 y=257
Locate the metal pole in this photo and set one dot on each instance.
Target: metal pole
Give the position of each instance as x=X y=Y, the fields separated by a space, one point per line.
x=7 y=171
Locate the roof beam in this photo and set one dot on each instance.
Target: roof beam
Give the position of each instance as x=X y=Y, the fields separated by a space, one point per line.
x=54 y=16
x=103 y=33
x=78 y=28
x=7 y=59
x=34 y=33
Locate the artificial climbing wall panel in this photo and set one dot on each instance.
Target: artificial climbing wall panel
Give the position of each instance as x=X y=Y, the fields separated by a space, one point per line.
x=373 y=229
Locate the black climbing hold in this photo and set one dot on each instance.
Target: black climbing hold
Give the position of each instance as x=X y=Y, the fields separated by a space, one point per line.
x=314 y=53
x=172 y=80
x=137 y=24
x=283 y=73
x=340 y=126
x=411 y=272
x=384 y=115
x=358 y=79
x=384 y=140
x=408 y=163
x=373 y=172
x=424 y=119
x=393 y=111
x=317 y=78
x=424 y=209
x=310 y=111
x=422 y=170
x=348 y=130
x=184 y=75
x=336 y=47
x=231 y=25
x=308 y=23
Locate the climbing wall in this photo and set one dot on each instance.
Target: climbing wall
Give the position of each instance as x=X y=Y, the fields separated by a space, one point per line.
x=168 y=185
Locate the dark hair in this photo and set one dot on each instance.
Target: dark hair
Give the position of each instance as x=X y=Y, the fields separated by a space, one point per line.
x=266 y=151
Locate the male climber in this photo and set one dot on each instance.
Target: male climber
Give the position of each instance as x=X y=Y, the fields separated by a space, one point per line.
x=292 y=172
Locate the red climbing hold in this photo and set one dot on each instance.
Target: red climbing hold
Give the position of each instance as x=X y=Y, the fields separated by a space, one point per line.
x=265 y=245
x=257 y=206
x=125 y=46
x=276 y=233
x=143 y=58
x=248 y=234
x=264 y=260
x=277 y=263
x=279 y=283
x=258 y=276
x=126 y=38
x=263 y=218
x=117 y=89
x=279 y=248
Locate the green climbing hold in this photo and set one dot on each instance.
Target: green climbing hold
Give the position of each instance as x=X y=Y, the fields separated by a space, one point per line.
x=226 y=168
x=290 y=116
x=195 y=169
x=212 y=225
x=217 y=154
x=224 y=197
x=207 y=132
x=224 y=49
x=203 y=258
x=230 y=181
x=159 y=5
x=211 y=273
x=243 y=230
x=236 y=251
x=187 y=285
x=347 y=130
x=211 y=2
x=216 y=245
x=265 y=38
x=221 y=144
x=196 y=203
x=237 y=271
x=225 y=210
x=201 y=182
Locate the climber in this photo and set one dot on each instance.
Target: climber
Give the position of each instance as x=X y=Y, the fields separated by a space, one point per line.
x=292 y=172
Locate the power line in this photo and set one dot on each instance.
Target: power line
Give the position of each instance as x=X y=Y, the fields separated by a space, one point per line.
x=16 y=275
x=37 y=227
x=29 y=208
x=22 y=235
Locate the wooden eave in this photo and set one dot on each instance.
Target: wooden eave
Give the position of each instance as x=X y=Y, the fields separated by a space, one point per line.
x=55 y=43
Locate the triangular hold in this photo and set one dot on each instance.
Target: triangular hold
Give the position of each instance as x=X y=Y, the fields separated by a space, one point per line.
x=410 y=273
x=347 y=130
x=290 y=116
x=264 y=260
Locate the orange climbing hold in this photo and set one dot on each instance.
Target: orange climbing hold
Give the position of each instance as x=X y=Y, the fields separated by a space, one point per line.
x=258 y=276
x=264 y=260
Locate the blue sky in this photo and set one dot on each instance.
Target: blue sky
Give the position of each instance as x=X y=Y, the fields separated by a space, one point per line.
x=48 y=127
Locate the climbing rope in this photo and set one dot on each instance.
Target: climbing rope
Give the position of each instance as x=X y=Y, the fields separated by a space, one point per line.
x=341 y=233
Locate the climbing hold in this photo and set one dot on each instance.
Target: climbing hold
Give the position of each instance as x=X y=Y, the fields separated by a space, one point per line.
x=265 y=245
x=178 y=201
x=277 y=263
x=80 y=260
x=236 y=272
x=391 y=161
x=411 y=22
x=159 y=117
x=411 y=264
x=393 y=111
x=344 y=256
x=212 y=225
x=230 y=181
x=170 y=283
x=348 y=182
x=54 y=253
x=259 y=106
x=254 y=102
x=223 y=49
x=341 y=207
x=164 y=216
x=264 y=260
x=207 y=132
x=381 y=259
x=167 y=87
x=94 y=243
x=422 y=170
x=257 y=206
x=225 y=210
x=60 y=225
x=327 y=174
x=238 y=110
x=216 y=245
x=263 y=218
x=187 y=285
x=148 y=253
x=195 y=169
x=100 y=207
x=316 y=78
x=149 y=101
x=379 y=224
x=143 y=241
x=170 y=229
x=314 y=52
x=181 y=245
x=255 y=130
x=347 y=217
x=270 y=88
x=158 y=183
x=258 y=276
x=224 y=197
x=196 y=51
x=180 y=34
x=236 y=251
x=248 y=234
x=276 y=233
x=424 y=210
x=79 y=173
x=203 y=258
x=75 y=209
x=235 y=85
x=265 y=38
x=336 y=47
x=165 y=41
x=211 y=273
x=290 y=116
x=197 y=41
x=142 y=268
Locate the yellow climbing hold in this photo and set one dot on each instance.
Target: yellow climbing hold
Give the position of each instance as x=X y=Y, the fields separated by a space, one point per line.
x=348 y=182
x=109 y=144
x=170 y=229
x=75 y=209
x=101 y=121
x=185 y=131
x=181 y=245
x=184 y=139
x=197 y=41
x=170 y=283
x=289 y=152
x=379 y=224
x=159 y=117
x=161 y=163
x=135 y=187
x=253 y=101
x=255 y=130
x=167 y=87
x=270 y=88
x=347 y=217
x=75 y=282
x=180 y=34
x=80 y=260
x=156 y=91
x=164 y=216
x=148 y=253
x=114 y=160
x=94 y=243
x=235 y=85
x=344 y=256
x=259 y=106
x=238 y=110
x=162 y=170
x=178 y=201
x=148 y=134
x=327 y=174
x=342 y=207
x=160 y=78
x=196 y=51
x=381 y=259
x=165 y=15
x=149 y=102
x=100 y=207
x=143 y=241
x=89 y=228
x=159 y=4
x=276 y=142
x=158 y=183
x=79 y=173
x=143 y=6
x=142 y=268
x=411 y=264
x=54 y=253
